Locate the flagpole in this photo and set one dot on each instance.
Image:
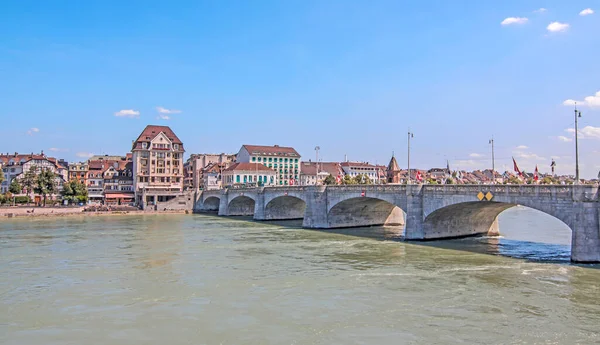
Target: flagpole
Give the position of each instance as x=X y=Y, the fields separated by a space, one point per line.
x=493 y=162
x=577 y=115
x=410 y=135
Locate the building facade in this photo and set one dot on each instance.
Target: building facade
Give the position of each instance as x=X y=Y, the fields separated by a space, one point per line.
x=353 y=169
x=198 y=162
x=157 y=165
x=14 y=166
x=314 y=174
x=393 y=172
x=78 y=171
x=285 y=161
x=248 y=174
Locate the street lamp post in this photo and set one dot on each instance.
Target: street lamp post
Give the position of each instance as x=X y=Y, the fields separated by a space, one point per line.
x=317 y=148
x=410 y=135
x=577 y=115
x=493 y=162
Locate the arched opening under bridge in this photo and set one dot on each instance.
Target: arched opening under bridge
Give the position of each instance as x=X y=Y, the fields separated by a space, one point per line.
x=285 y=207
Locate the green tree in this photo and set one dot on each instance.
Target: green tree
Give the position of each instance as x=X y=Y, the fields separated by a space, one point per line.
x=362 y=179
x=329 y=180
x=2 y=178
x=348 y=180
x=29 y=180
x=514 y=180
x=15 y=187
x=432 y=181
x=74 y=191
x=449 y=180
x=45 y=184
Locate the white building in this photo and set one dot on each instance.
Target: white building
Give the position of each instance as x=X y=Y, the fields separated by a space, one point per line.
x=314 y=174
x=248 y=174
x=16 y=165
x=157 y=165
x=353 y=169
x=285 y=161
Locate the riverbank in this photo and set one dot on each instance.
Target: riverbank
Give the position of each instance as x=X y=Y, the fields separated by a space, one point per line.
x=13 y=212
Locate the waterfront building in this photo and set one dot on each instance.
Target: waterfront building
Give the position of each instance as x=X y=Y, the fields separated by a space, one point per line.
x=353 y=169
x=240 y=174
x=285 y=161
x=118 y=185
x=16 y=165
x=211 y=176
x=78 y=171
x=314 y=174
x=195 y=166
x=157 y=165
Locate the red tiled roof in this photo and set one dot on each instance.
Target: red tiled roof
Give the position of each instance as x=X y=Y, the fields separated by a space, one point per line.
x=271 y=150
x=17 y=158
x=248 y=167
x=151 y=131
x=357 y=164
x=310 y=168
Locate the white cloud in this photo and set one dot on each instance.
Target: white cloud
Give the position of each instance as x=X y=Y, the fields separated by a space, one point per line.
x=32 y=130
x=564 y=139
x=589 y=101
x=476 y=155
x=522 y=147
x=128 y=113
x=84 y=154
x=586 y=12
x=557 y=27
x=167 y=111
x=587 y=132
x=514 y=20
x=163 y=117
x=540 y=10
x=591 y=132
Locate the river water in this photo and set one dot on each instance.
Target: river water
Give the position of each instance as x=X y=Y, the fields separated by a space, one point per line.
x=199 y=279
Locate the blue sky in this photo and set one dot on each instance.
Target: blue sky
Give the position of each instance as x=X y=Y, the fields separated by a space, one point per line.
x=349 y=76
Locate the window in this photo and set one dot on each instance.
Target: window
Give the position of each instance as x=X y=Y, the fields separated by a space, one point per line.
x=176 y=146
x=245 y=178
x=296 y=160
x=237 y=178
x=270 y=159
x=254 y=159
x=260 y=159
x=280 y=160
x=144 y=145
x=286 y=160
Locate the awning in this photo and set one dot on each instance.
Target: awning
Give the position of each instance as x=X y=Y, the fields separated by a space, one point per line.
x=118 y=196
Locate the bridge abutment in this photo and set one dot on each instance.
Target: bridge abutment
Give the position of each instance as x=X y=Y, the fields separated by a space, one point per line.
x=315 y=215
x=585 y=241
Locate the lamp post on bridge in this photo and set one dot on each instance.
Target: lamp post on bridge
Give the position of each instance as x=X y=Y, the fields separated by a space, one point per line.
x=317 y=148
x=410 y=135
x=493 y=162
x=577 y=115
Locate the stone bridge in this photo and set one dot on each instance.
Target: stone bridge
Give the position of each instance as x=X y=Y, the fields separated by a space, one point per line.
x=426 y=211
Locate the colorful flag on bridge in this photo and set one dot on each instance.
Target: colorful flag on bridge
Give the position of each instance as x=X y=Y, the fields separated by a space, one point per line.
x=516 y=167
x=418 y=176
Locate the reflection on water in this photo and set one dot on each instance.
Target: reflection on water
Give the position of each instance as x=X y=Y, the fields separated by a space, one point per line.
x=209 y=280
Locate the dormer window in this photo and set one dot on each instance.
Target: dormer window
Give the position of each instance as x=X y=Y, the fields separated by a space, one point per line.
x=176 y=146
x=144 y=145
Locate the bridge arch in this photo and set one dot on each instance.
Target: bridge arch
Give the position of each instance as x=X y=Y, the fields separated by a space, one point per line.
x=364 y=211
x=469 y=218
x=211 y=203
x=241 y=205
x=285 y=207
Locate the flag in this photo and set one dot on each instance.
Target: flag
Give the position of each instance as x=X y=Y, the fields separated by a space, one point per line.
x=552 y=165
x=418 y=176
x=448 y=166
x=516 y=167
x=338 y=179
x=291 y=182
x=536 y=174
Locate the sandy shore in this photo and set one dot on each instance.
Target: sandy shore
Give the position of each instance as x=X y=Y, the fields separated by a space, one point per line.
x=9 y=212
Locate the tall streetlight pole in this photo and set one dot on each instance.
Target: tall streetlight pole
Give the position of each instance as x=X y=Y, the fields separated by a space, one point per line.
x=577 y=115
x=317 y=148
x=493 y=162
x=410 y=135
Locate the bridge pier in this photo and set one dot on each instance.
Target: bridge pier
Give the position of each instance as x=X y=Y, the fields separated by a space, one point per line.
x=585 y=241
x=315 y=215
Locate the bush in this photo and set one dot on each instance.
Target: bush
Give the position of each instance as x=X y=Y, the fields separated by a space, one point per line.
x=22 y=199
